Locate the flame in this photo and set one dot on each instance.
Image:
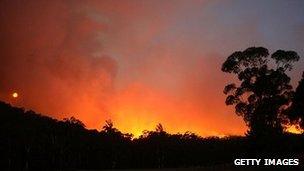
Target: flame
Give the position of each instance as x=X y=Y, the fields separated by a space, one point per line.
x=140 y=107
x=294 y=129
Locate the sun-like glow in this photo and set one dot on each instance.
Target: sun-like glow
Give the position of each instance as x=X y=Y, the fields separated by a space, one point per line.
x=15 y=95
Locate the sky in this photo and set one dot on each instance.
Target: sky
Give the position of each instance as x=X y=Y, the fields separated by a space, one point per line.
x=138 y=63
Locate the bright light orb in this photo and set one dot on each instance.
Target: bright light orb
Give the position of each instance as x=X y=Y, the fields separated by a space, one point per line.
x=15 y=95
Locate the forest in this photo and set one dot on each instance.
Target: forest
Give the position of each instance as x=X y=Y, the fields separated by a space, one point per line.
x=264 y=98
x=31 y=141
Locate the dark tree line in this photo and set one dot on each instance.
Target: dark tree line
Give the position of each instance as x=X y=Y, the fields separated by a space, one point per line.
x=264 y=96
x=30 y=141
x=296 y=111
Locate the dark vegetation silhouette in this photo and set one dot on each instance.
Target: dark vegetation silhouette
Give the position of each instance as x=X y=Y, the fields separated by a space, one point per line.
x=296 y=111
x=30 y=141
x=264 y=98
x=264 y=91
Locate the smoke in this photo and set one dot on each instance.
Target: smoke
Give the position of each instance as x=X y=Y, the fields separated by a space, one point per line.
x=48 y=55
x=138 y=63
x=124 y=61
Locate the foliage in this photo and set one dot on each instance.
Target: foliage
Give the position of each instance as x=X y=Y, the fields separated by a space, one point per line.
x=31 y=141
x=295 y=112
x=264 y=92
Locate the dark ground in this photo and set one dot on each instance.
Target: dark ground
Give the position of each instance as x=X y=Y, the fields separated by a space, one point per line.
x=30 y=141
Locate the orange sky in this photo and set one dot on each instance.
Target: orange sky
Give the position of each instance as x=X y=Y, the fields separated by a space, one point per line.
x=137 y=63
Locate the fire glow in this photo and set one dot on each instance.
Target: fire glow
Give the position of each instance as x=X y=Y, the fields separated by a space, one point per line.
x=138 y=64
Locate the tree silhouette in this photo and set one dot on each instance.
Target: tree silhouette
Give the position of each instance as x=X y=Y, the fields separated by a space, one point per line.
x=264 y=91
x=30 y=141
x=74 y=122
x=295 y=112
x=109 y=127
x=159 y=128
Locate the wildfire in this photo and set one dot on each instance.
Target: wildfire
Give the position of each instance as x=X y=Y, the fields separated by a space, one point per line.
x=294 y=129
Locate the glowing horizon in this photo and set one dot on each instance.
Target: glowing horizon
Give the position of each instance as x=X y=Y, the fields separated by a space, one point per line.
x=138 y=63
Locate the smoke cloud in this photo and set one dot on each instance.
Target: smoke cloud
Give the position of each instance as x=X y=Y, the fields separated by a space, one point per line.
x=138 y=63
